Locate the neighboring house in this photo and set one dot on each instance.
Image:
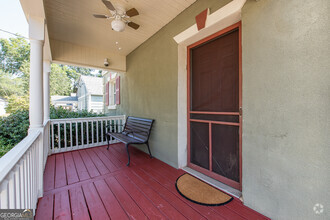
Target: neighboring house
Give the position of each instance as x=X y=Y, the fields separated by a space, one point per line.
x=67 y=102
x=3 y=104
x=111 y=91
x=90 y=93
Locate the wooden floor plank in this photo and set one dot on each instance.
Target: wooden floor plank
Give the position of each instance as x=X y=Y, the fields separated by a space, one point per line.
x=94 y=202
x=110 y=202
x=172 y=174
x=131 y=208
x=62 y=206
x=120 y=156
x=105 y=160
x=169 y=182
x=78 y=205
x=71 y=172
x=60 y=173
x=96 y=184
x=97 y=161
x=227 y=213
x=239 y=208
x=137 y=156
x=49 y=173
x=80 y=166
x=140 y=199
x=92 y=170
x=111 y=157
x=164 y=206
x=45 y=208
x=186 y=210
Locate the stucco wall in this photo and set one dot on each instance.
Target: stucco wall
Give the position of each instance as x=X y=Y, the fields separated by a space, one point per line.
x=149 y=87
x=286 y=105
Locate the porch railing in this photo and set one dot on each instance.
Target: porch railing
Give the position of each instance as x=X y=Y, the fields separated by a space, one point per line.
x=78 y=133
x=21 y=173
x=21 y=169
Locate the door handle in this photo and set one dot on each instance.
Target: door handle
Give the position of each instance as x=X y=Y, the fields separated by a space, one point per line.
x=240 y=111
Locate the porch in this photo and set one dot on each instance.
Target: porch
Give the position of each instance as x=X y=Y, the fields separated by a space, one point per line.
x=95 y=183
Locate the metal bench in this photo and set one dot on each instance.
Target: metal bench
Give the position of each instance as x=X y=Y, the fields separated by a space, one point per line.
x=136 y=131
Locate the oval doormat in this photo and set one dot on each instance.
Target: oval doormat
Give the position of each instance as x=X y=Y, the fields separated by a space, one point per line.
x=200 y=192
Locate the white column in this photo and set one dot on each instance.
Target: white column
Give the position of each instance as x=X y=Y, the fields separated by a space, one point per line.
x=36 y=34
x=46 y=89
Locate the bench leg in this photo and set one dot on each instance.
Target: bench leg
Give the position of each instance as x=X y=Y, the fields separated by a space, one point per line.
x=129 y=159
x=108 y=139
x=149 y=149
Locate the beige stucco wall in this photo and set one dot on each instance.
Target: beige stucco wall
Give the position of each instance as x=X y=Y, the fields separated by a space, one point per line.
x=149 y=87
x=286 y=105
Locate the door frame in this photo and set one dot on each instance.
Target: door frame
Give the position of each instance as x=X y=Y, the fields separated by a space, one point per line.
x=234 y=184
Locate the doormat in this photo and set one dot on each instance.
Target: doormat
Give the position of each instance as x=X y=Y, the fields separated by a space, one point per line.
x=200 y=192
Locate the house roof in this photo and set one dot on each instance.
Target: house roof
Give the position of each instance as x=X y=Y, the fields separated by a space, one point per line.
x=94 y=85
x=60 y=98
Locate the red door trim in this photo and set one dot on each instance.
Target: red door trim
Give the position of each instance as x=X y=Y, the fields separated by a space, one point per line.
x=215 y=113
x=234 y=184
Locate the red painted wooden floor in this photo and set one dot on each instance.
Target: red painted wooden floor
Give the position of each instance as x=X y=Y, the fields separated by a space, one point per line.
x=96 y=184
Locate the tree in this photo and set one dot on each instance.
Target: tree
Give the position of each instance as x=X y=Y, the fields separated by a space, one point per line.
x=13 y=53
x=17 y=103
x=10 y=85
x=60 y=83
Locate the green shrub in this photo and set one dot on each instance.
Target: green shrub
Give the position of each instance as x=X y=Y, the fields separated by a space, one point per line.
x=14 y=127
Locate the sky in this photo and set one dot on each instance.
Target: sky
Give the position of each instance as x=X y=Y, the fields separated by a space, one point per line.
x=12 y=19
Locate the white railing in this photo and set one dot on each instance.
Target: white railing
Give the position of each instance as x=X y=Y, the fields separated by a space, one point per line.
x=21 y=173
x=21 y=169
x=78 y=133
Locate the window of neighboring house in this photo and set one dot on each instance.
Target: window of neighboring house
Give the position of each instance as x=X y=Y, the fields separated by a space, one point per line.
x=113 y=92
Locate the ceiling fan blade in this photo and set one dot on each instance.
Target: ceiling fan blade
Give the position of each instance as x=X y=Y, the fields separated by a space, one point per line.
x=109 y=5
x=133 y=25
x=132 y=12
x=100 y=16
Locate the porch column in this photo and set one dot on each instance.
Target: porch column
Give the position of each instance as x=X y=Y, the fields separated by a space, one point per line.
x=46 y=89
x=36 y=35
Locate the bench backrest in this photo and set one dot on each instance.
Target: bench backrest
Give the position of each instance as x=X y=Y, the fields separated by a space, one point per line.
x=138 y=128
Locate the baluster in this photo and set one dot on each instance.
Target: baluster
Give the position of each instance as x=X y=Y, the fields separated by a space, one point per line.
x=11 y=190
x=4 y=195
x=28 y=179
x=82 y=133
x=59 y=136
x=102 y=140
x=92 y=132
x=65 y=144
x=71 y=144
x=77 y=134
x=53 y=146
x=97 y=131
x=17 y=187
x=26 y=188
x=22 y=184
x=87 y=135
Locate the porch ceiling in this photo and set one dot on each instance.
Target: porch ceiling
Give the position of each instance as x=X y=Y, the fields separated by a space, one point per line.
x=71 y=21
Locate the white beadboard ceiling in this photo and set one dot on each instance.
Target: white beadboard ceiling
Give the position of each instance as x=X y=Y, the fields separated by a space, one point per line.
x=72 y=21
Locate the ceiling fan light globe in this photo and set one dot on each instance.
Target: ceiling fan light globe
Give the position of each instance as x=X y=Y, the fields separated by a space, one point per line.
x=118 y=25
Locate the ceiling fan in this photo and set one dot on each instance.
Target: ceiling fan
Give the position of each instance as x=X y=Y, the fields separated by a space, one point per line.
x=120 y=18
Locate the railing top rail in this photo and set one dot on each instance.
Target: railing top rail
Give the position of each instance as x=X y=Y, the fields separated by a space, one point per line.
x=11 y=158
x=87 y=118
x=46 y=122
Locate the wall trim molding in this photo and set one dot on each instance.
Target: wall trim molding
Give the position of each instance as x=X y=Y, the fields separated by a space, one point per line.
x=218 y=20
